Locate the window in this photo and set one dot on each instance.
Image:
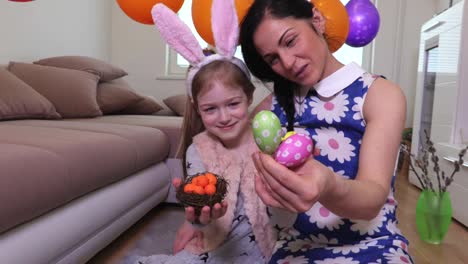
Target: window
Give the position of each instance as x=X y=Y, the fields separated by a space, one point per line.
x=177 y=65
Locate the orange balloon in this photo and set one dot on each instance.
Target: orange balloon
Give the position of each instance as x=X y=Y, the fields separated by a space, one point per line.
x=337 y=22
x=201 y=15
x=140 y=10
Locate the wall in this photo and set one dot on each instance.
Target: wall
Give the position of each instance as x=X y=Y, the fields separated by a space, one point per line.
x=444 y=4
x=100 y=29
x=139 y=49
x=396 y=47
x=141 y=52
x=461 y=122
x=45 y=28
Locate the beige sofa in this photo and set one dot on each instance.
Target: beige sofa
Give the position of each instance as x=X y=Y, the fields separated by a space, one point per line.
x=70 y=186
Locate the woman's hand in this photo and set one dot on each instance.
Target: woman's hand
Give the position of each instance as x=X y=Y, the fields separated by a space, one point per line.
x=186 y=233
x=295 y=190
x=207 y=214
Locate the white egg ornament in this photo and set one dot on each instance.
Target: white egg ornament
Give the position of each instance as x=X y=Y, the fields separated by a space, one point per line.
x=294 y=150
x=267 y=131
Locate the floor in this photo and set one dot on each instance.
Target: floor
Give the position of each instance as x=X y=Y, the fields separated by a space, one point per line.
x=171 y=217
x=453 y=250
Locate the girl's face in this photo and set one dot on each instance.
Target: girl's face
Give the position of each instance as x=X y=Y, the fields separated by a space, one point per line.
x=292 y=49
x=224 y=111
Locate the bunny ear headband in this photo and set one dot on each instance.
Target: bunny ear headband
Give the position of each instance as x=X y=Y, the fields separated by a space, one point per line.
x=178 y=35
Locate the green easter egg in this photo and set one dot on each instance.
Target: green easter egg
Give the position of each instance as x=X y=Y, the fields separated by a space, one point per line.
x=267 y=131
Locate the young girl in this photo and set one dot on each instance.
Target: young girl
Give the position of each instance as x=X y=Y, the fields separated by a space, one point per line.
x=220 y=91
x=343 y=197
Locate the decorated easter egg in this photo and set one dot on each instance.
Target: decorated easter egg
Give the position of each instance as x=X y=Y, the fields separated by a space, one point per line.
x=294 y=150
x=267 y=131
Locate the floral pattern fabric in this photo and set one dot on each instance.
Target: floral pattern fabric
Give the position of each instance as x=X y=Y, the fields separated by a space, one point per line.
x=319 y=236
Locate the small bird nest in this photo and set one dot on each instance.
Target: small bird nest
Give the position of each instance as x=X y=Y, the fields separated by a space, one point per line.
x=192 y=191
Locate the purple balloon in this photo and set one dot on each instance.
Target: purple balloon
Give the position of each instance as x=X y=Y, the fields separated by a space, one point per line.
x=364 y=22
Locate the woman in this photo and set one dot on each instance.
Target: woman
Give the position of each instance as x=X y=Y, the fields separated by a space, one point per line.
x=343 y=197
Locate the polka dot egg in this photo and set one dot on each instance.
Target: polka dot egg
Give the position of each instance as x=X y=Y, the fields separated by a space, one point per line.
x=267 y=131
x=294 y=150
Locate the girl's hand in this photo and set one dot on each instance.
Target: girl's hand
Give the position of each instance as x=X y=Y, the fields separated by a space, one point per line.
x=185 y=234
x=207 y=214
x=295 y=190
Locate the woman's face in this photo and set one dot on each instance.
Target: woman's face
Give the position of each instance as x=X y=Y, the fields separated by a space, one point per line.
x=224 y=111
x=292 y=49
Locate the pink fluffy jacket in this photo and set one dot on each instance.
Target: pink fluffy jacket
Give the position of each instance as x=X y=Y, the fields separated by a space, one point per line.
x=238 y=169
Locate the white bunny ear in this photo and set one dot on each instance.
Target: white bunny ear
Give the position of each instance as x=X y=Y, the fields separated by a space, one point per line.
x=225 y=26
x=177 y=34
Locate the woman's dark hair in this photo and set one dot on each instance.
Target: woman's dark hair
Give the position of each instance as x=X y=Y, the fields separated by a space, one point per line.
x=283 y=88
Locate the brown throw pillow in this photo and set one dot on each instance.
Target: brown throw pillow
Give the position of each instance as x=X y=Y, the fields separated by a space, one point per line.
x=72 y=92
x=114 y=96
x=147 y=106
x=19 y=101
x=177 y=103
x=104 y=70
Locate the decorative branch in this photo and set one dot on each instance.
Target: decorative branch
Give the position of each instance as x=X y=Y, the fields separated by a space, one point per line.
x=422 y=164
x=434 y=158
x=456 y=168
x=420 y=178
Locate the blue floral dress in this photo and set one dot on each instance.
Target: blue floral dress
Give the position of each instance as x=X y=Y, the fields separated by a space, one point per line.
x=337 y=126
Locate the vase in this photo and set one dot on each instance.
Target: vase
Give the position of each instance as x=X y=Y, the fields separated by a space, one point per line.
x=433 y=216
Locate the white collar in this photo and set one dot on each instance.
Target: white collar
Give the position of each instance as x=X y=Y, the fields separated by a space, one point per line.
x=339 y=80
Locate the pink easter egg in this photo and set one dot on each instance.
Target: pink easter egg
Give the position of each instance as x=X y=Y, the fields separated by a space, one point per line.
x=294 y=150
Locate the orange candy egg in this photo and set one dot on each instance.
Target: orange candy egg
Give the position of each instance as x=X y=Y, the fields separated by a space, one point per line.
x=210 y=189
x=195 y=181
x=202 y=184
x=199 y=190
x=189 y=188
x=211 y=178
x=202 y=181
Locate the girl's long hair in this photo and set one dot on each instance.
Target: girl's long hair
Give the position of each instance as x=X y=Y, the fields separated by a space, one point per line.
x=222 y=71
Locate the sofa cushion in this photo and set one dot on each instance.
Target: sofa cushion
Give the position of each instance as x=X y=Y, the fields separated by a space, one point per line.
x=146 y=106
x=114 y=96
x=72 y=92
x=166 y=112
x=177 y=103
x=170 y=125
x=50 y=163
x=106 y=71
x=19 y=101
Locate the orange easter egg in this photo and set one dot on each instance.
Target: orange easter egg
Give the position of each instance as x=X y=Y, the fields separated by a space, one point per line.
x=211 y=178
x=189 y=188
x=210 y=189
x=198 y=190
x=202 y=181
